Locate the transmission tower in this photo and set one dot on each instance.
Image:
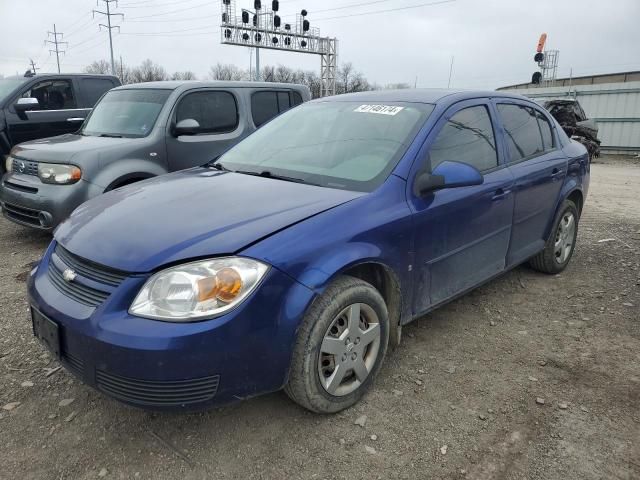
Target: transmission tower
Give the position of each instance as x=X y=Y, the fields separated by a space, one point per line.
x=263 y=28
x=52 y=38
x=34 y=69
x=109 y=27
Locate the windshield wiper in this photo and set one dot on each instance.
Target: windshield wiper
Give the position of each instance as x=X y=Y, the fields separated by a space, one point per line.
x=110 y=135
x=218 y=166
x=269 y=174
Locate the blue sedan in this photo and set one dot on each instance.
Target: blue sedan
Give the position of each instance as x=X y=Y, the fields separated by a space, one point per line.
x=294 y=259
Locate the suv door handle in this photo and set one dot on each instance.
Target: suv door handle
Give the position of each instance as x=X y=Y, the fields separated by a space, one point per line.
x=500 y=194
x=556 y=172
x=75 y=119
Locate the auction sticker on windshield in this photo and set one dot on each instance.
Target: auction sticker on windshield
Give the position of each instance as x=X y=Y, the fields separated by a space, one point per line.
x=379 y=109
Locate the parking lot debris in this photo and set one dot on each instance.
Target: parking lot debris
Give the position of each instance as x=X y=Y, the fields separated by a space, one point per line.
x=533 y=379
x=50 y=371
x=65 y=402
x=361 y=421
x=370 y=450
x=374 y=437
x=492 y=323
x=397 y=393
x=482 y=417
x=563 y=405
x=103 y=472
x=70 y=416
x=11 y=406
x=443 y=449
x=542 y=363
x=540 y=401
x=26 y=383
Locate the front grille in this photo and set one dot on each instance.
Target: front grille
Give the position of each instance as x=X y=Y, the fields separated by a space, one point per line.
x=21 y=214
x=158 y=393
x=89 y=269
x=25 y=167
x=80 y=293
x=75 y=364
x=20 y=188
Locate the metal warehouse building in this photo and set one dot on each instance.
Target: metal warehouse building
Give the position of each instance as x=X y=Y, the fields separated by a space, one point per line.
x=612 y=100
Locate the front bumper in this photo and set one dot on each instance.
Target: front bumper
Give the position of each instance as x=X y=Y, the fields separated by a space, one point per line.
x=27 y=201
x=175 y=366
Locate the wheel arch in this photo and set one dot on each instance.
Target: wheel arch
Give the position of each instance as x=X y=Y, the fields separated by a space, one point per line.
x=128 y=179
x=385 y=281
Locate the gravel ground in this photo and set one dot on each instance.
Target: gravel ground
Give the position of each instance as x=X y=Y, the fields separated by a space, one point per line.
x=528 y=377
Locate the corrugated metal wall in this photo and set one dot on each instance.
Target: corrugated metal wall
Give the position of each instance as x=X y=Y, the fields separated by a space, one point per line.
x=615 y=106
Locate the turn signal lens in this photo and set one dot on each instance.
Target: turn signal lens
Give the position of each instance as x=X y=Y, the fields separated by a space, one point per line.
x=229 y=284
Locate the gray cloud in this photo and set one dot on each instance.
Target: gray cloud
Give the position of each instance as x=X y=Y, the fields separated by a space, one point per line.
x=492 y=41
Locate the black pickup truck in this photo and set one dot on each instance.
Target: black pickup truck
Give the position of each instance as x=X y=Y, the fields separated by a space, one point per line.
x=45 y=105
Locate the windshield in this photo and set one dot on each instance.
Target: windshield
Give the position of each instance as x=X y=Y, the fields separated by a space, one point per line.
x=126 y=113
x=347 y=145
x=8 y=85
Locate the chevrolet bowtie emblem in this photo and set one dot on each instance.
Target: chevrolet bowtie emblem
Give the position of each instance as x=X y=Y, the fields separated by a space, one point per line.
x=69 y=275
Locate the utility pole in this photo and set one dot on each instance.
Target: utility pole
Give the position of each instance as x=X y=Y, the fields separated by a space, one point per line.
x=34 y=69
x=54 y=35
x=108 y=26
x=121 y=70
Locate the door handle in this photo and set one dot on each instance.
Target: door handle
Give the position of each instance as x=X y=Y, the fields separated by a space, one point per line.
x=500 y=194
x=556 y=172
x=75 y=119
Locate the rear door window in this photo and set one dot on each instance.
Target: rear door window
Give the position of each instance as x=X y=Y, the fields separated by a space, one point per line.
x=215 y=111
x=93 y=88
x=522 y=131
x=264 y=106
x=467 y=137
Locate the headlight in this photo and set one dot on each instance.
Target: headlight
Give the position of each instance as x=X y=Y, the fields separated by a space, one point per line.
x=198 y=290
x=9 y=164
x=58 y=174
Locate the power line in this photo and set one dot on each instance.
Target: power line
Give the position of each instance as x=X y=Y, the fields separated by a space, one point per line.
x=387 y=10
x=108 y=26
x=55 y=34
x=172 y=11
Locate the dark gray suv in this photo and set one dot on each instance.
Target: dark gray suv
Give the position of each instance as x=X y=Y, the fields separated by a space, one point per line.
x=136 y=132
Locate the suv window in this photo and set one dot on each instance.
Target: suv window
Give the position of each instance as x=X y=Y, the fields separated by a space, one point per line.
x=52 y=94
x=216 y=112
x=93 y=88
x=545 y=129
x=523 y=135
x=296 y=98
x=466 y=137
x=266 y=105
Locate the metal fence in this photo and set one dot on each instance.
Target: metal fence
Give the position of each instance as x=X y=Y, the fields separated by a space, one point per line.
x=614 y=106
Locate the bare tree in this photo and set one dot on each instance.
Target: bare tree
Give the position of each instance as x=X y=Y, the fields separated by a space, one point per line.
x=186 y=75
x=268 y=74
x=98 y=67
x=148 y=71
x=228 y=71
x=397 y=86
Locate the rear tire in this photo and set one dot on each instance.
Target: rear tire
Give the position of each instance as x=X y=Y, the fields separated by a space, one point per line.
x=561 y=243
x=340 y=347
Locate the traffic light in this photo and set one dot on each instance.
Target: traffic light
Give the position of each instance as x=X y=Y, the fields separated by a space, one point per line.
x=539 y=59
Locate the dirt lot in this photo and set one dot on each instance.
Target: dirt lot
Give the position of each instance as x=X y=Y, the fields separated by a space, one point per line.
x=458 y=400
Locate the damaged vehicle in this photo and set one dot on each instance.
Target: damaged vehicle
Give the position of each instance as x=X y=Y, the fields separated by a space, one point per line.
x=573 y=120
x=294 y=259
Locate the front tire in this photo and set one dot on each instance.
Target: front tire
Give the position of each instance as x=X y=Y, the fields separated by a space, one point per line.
x=340 y=347
x=561 y=243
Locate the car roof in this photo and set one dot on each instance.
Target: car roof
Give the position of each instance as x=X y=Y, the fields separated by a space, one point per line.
x=189 y=84
x=59 y=75
x=420 y=95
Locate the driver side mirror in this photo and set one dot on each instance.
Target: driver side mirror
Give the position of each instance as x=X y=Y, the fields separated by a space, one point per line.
x=188 y=126
x=26 y=104
x=447 y=175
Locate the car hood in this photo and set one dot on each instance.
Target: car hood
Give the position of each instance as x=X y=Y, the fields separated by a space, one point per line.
x=63 y=148
x=186 y=215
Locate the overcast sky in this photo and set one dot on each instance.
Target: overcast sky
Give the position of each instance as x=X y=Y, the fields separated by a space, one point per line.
x=492 y=41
